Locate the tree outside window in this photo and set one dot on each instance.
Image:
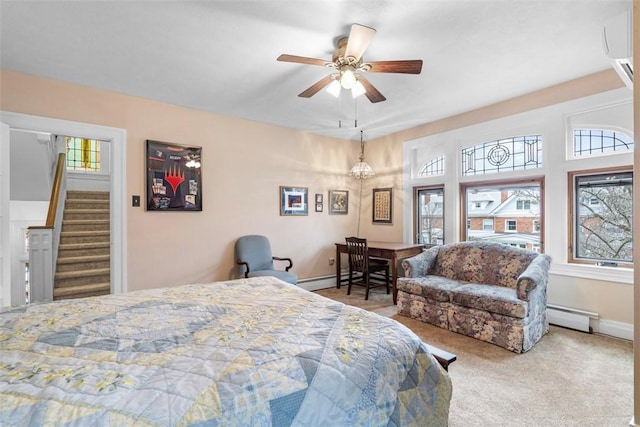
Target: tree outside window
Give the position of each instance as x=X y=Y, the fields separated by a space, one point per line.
x=602 y=214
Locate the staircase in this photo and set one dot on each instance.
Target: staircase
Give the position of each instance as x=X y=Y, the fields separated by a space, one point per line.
x=83 y=266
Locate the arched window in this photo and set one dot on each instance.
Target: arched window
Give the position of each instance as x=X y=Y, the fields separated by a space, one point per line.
x=432 y=167
x=595 y=142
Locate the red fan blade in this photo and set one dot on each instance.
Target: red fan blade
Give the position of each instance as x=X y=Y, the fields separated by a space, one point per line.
x=406 y=67
x=303 y=60
x=371 y=92
x=359 y=39
x=316 y=87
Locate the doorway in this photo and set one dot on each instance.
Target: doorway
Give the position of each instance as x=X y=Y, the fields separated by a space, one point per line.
x=11 y=293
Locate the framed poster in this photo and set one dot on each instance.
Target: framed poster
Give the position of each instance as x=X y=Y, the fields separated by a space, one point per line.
x=294 y=201
x=382 y=205
x=338 y=202
x=174 y=177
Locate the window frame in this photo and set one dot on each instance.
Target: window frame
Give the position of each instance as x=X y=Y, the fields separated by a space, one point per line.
x=508 y=182
x=572 y=220
x=572 y=145
x=83 y=166
x=416 y=203
x=507 y=225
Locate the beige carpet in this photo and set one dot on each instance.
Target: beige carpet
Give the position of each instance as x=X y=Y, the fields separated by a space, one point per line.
x=569 y=378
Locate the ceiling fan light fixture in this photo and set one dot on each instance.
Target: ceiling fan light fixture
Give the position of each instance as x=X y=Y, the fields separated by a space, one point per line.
x=357 y=89
x=347 y=77
x=334 y=88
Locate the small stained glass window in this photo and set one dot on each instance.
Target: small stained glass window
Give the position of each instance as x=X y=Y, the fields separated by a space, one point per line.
x=593 y=142
x=432 y=167
x=83 y=155
x=509 y=154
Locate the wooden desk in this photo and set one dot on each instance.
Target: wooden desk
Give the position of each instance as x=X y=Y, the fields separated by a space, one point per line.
x=387 y=250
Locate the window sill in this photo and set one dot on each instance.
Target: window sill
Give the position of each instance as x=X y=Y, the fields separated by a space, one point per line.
x=595 y=272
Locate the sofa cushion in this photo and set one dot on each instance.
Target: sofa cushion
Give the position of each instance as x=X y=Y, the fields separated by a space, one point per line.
x=436 y=288
x=482 y=262
x=491 y=298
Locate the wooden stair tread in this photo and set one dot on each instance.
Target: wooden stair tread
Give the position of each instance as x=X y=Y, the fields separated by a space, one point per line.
x=85 y=221
x=82 y=289
x=84 y=258
x=81 y=273
x=88 y=245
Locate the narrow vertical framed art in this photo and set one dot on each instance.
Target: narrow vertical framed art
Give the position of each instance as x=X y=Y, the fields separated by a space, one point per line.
x=338 y=202
x=382 y=206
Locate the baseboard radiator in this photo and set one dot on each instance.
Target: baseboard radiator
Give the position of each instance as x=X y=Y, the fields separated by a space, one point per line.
x=570 y=318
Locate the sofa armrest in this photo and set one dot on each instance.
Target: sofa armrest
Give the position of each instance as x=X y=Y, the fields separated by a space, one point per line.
x=536 y=274
x=419 y=265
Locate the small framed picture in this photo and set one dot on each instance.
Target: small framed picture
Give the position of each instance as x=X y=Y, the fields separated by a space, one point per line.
x=293 y=201
x=338 y=202
x=318 y=207
x=318 y=198
x=382 y=205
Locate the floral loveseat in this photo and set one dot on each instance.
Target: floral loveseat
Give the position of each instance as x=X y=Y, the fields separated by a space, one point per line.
x=489 y=291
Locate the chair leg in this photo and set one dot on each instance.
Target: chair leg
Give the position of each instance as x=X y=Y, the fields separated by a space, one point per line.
x=386 y=278
x=350 y=280
x=368 y=283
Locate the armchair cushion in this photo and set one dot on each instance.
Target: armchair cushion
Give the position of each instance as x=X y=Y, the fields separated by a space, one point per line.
x=253 y=253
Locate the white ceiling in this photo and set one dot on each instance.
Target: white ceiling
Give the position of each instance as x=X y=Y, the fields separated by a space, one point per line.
x=220 y=56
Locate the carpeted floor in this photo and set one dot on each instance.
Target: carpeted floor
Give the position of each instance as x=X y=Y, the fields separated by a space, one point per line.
x=569 y=378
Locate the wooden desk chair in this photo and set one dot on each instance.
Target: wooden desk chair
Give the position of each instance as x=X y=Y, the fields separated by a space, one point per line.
x=363 y=270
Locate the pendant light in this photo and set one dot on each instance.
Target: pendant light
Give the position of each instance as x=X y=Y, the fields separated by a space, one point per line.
x=362 y=170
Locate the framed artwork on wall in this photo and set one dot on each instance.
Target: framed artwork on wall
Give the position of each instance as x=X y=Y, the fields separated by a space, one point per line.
x=174 y=177
x=382 y=205
x=294 y=201
x=338 y=202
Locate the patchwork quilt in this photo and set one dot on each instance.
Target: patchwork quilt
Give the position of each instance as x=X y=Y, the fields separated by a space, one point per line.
x=247 y=352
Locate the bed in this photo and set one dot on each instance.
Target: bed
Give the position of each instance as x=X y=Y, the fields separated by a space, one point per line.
x=246 y=352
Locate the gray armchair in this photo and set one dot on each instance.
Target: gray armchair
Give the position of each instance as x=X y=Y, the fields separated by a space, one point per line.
x=253 y=253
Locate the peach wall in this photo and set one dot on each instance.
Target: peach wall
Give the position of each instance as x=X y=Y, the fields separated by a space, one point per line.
x=244 y=163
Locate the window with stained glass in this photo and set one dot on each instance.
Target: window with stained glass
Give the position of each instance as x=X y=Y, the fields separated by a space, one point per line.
x=509 y=154
x=83 y=155
x=432 y=167
x=592 y=142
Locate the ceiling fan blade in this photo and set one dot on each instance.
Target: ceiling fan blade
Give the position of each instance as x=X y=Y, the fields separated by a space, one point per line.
x=302 y=60
x=316 y=87
x=406 y=67
x=371 y=92
x=359 y=39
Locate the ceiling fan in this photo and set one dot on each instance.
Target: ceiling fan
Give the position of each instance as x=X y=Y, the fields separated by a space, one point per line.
x=348 y=64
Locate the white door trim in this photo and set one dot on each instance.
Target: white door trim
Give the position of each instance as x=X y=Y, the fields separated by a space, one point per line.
x=118 y=138
x=5 y=231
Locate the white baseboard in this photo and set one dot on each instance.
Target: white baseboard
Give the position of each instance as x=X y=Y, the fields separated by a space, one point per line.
x=316 y=283
x=613 y=328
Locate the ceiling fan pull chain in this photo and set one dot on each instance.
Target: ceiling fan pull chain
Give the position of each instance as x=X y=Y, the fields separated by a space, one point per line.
x=355 y=103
